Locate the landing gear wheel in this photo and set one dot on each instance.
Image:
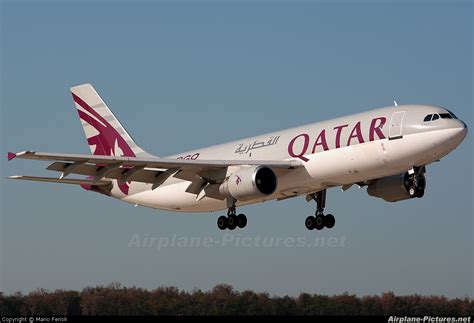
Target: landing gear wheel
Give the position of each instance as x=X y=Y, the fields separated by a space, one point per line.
x=319 y=222
x=329 y=221
x=421 y=186
x=416 y=191
x=222 y=222
x=412 y=191
x=420 y=193
x=232 y=221
x=241 y=221
x=415 y=181
x=310 y=222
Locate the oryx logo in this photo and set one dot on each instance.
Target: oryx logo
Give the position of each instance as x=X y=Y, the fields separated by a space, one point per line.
x=237 y=179
x=107 y=142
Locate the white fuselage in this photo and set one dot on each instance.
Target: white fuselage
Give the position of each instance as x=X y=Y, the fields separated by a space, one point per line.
x=337 y=152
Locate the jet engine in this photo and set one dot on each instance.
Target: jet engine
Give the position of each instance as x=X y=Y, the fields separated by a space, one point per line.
x=394 y=188
x=250 y=183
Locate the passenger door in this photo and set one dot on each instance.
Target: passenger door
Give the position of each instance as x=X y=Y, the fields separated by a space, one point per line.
x=396 y=125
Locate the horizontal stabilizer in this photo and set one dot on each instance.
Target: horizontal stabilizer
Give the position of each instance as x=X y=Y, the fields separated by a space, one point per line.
x=64 y=180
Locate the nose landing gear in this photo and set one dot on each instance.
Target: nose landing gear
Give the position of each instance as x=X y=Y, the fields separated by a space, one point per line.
x=416 y=182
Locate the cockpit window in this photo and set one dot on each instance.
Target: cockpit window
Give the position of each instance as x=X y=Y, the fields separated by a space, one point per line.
x=445 y=116
x=452 y=114
x=436 y=116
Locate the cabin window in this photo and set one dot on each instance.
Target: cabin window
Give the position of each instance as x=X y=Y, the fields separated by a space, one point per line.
x=435 y=117
x=428 y=118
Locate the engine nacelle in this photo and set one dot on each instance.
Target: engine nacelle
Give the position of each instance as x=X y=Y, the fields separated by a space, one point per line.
x=393 y=188
x=250 y=183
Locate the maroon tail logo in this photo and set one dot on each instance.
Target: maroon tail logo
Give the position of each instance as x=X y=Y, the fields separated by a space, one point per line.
x=108 y=142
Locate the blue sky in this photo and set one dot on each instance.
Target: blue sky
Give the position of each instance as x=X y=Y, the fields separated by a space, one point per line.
x=181 y=75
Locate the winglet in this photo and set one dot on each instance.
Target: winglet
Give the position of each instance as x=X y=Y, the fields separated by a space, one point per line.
x=10 y=156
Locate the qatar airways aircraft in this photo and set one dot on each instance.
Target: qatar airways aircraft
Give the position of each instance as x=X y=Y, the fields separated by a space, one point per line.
x=385 y=149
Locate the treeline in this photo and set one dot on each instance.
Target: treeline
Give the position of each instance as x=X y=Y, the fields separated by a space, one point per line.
x=222 y=300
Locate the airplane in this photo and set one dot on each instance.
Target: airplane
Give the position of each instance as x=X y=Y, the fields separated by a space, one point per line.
x=386 y=150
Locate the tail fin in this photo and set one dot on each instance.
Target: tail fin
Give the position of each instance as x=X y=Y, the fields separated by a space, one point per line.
x=105 y=134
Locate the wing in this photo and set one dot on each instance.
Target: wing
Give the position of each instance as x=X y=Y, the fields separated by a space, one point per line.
x=151 y=170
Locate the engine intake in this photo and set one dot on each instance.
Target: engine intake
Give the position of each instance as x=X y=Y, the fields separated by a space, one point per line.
x=250 y=183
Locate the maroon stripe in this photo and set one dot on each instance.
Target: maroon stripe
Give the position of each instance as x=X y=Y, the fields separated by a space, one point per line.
x=86 y=107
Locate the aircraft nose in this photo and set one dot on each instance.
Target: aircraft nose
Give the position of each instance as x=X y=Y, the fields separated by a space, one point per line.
x=461 y=131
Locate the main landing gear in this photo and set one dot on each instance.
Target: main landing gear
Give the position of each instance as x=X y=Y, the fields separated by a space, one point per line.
x=319 y=221
x=416 y=182
x=231 y=221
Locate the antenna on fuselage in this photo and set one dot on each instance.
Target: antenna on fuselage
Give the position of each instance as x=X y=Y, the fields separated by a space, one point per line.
x=395 y=102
